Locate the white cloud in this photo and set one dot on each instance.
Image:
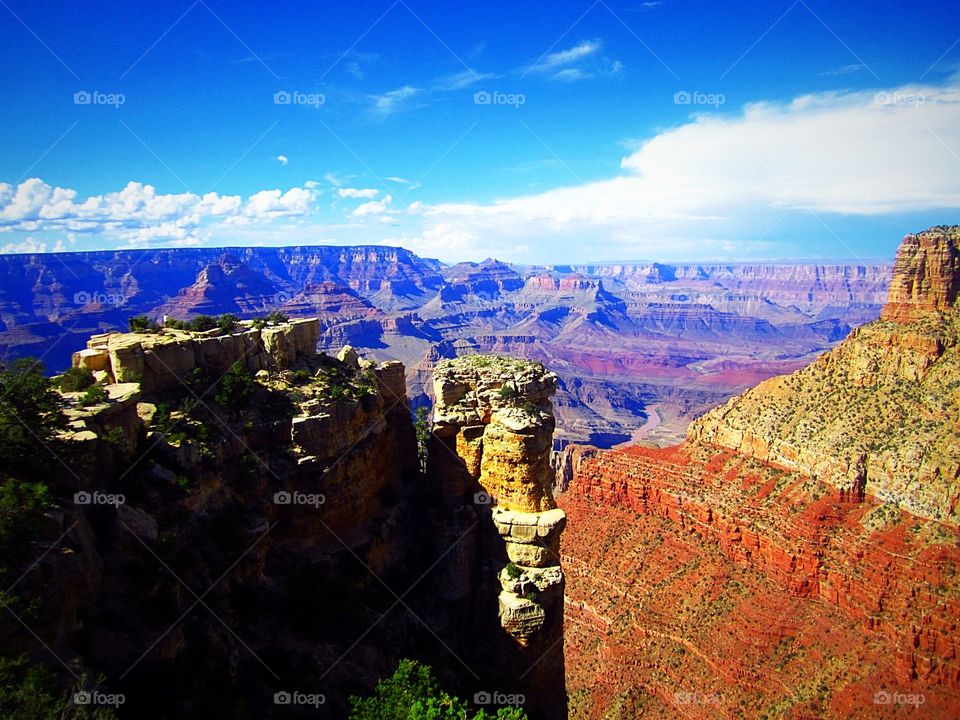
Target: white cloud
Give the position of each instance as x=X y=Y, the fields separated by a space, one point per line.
x=843 y=153
x=282 y=159
x=393 y=101
x=578 y=52
x=366 y=193
x=29 y=245
x=571 y=75
x=373 y=207
x=402 y=181
x=138 y=214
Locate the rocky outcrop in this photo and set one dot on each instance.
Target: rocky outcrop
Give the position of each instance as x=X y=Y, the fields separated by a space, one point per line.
x=878 y=413
x=926 y=275
x=500 y=414
x=492 y=436
x=163 y=360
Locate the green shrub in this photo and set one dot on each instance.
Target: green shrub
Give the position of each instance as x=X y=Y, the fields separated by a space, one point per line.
x=94 y=395
x=227 y=323
x=513 y=572
x=142 y=324
x=202 y=323
x=412 y=693
x=235 y=388
x=508 y=392
x=29 y=418
x=74 y=380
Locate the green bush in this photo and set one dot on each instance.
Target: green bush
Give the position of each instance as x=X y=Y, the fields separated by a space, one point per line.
x=94 y=395
x=22 y=506
x=74 y=380
x=227 y=323
x=29 y=691
x=202 y=323
x=29 y=418
x=513 y=572
x=508 y=392
x=235 y=388
x=141 y=324
x=412 y=693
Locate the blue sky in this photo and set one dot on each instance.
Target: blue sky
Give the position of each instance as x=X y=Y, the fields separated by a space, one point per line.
x=534 y=132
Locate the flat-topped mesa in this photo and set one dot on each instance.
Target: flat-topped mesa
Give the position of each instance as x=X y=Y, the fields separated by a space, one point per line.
x=162 y=360
x=500 y=412
x=926 y=274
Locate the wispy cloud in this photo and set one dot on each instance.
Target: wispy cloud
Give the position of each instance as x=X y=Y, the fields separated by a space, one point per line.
x=581 y=50
x=845 y=70
x=393 y=101
x=283 y=159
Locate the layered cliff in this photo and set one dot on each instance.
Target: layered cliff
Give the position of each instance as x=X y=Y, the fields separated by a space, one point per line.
x=244 y=517
x=492 y=437
x=878 y=413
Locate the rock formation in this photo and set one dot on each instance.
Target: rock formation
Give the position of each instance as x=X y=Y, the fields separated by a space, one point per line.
x=926 y=275
x=492 y=437
x=162 y=360
x=878 y=413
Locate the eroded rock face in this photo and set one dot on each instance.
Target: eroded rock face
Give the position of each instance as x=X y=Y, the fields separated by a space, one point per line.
x=493 y=430
x=161 y=361
x=500 y=412
x=926 y=274
x=878 y=413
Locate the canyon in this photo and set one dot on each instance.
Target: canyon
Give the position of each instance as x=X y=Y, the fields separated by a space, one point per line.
x=640 y=349
x=797 y=555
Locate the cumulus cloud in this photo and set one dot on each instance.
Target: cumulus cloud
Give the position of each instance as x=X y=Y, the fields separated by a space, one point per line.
x=138 y=214
x=377 y=207
x=365 y=193
x=283 y=159
x=855 y=153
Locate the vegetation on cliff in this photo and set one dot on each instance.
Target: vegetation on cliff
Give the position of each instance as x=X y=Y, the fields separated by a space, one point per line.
x=412 y=693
